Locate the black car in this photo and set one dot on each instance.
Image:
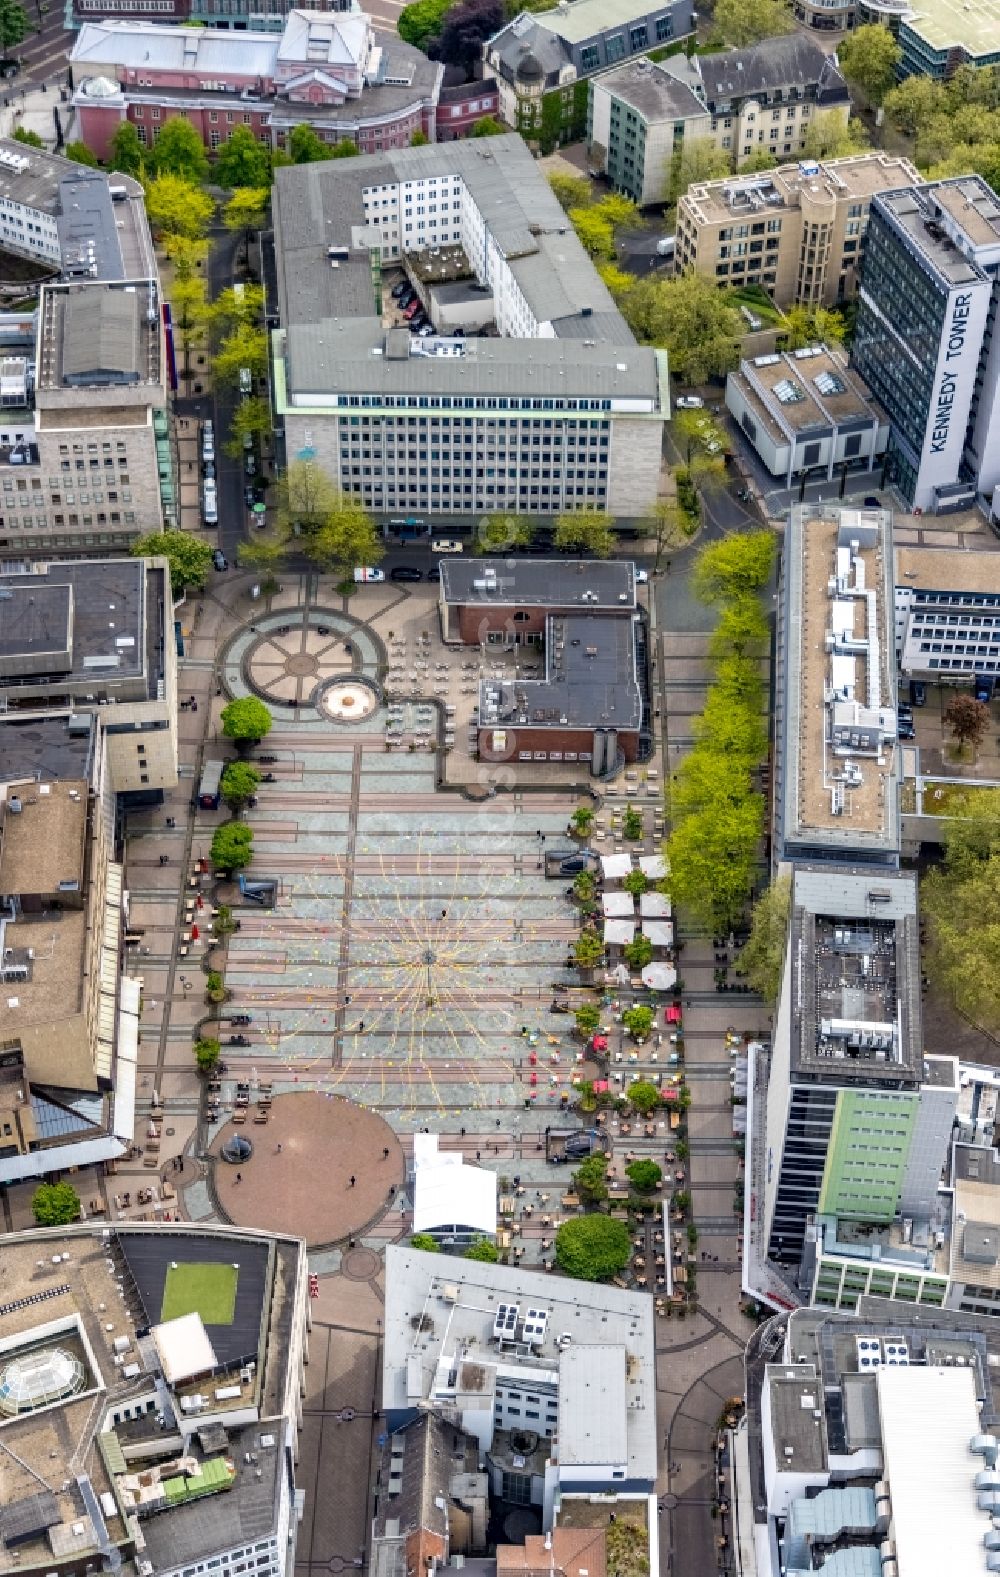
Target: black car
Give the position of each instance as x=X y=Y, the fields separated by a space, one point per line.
x=416 y=324
x=405 y=299
x=405 y=572
x=434 y=573
x=401 y=289
x=918 y=693
x=906 y=731
x=871 y=502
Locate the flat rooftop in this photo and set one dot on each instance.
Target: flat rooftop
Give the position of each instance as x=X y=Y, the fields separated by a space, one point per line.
x=833 y=796
x=972 y=203
x=590 y=679
x=913 y=212
x=948 y=570
x=808 y=389
x=56 y=746
x=43 y=829
x=540 y=583
x=956 y=24
x=975 y=1249
x=651 y=91
x=856 y=957
x=97 y=335
x=856 y=177
x=796 y=1397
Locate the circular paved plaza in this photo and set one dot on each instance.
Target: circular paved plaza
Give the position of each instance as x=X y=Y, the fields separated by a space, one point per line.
x=287 y=661
x=305 y=1187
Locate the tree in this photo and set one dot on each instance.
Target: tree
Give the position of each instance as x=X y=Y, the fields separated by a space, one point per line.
x=644 y=1175
x=179 y=150
x=190 y=314
x=762 y=960
x=744 y=22
x=582 y=820
x=418 y=23
x=742 y=631
x=419 y=139
x=592 y=1248
x=232 y=846
x=337 y=531
x=464 y=31
x=572 y=191
x=639 y=953
x=594 y=231
x=968 y=720
x=22 y=134
x=588 y=950
x=483 y=1249
x=868 y=58
x=586 y=530
x=583 y=887
x=696 y=159
x=503 y=533
x=689 y=318
x=643 y=1096
x=247 y=720
x=636 y=883
x=813 y=326
x=186 y=254
x=306 y=147
x=590 y=1178
x=587 y=1018
x=489 y=126
x=55 y=1204
x=244 y=348
x=712 y=855
x=176 y=207
x=760 y=159
x=738 y=566
x=669 y=526
x=425 y=1242
x=242 y=308
x=13 y=27
x=698 y=432
x=246 y=210
x=345 y=148
x=960 y=903
x=240 y=782
x=207 y=1053
x=250 y=419
x=638 y=1020
x=242 y=162
x=829 y=138
x=189 y=558
x=126 y=151
x=80 y=154
x=915 y=102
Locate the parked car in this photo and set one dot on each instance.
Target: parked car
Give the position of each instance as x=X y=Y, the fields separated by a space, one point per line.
x=403 y=288
x=641 y=577
x=219 y=560
x=363 y=573
x=666 y=246
x=210 y=505
x=250 y=465
x=918 y=693
x=434 y=573
x=446 y=545
x=425 y=331
x=906 y=731
x=871 y=501
x=689 y=402
x=405 y=572
x=412 y=310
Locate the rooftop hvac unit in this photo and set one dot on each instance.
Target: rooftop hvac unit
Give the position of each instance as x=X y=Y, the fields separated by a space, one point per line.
x=505 y=1321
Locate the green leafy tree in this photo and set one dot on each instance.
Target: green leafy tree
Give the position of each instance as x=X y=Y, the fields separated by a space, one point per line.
x=503 y=533
x=240 y=782
x=418 y=23
x=245 y=347
x=80 y=154
x=696 y=159
x=179 y=150
x=868 y=58
x=595 y=232
x=246 y=720
x=246 y=211
x=829 y=138
x=644 y=1175
x=55 y=1204
x=588 y=949
x=698 y=432
x=572 y=191
x=419 y=139
x=745 y=22
x=126 y=152
x=250 y=419
x=742 y=631
x=177 y=207
x=234 y=309
x=638 y=1020
x=483 y=1249
x=242 y=162
x=712 y=855
x=762 y=960
x=960 y=903
x=189 y=558
x=670 y=526
x=590 y=1178
x=584 y=887
x=587 y=1018
x=186 y=254
x=232 y=846
x=207 y=1053
x=586 y=530
x=813 y=326
x=190 y=314
x=759 y=160
x=489 y=126
x=336 y=531
x=639 y=953
x=305 y=147
x=582 y=820
x=643 y=1096
x=915 y=102
x=592 y=1248
x=689 y=318
x=215 y=987
x=636 y=883
x=632 y=823
x=13 y=25
x=346 y=148
x=31 y=139
x=735 y=567
x=425 y=1242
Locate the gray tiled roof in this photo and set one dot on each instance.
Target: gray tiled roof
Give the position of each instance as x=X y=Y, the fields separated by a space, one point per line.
x=791 y=61
x=656 y=94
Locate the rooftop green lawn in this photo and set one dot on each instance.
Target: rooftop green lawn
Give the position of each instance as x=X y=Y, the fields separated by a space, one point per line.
x=208 y=1290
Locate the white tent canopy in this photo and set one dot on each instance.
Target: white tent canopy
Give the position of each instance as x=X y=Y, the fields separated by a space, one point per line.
x=615 y=867
x=618 y=933
x=620 y=905
x=654 y=866
x=659 y=932
x=659 y=977
x=654 y=906
x=448 y=1194
x=183 y=1348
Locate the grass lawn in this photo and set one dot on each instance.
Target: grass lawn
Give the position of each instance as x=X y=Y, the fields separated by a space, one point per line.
x=948 y=799
x=208 y=1290
x=759 y=303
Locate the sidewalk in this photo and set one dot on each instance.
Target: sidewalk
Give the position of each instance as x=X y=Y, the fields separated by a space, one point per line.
x=32 y=110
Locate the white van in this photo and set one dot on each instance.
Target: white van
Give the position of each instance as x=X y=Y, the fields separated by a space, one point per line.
x=362 y=574
x=246 y=381
x=207 y=442
x=210 y=505
x=666 y=246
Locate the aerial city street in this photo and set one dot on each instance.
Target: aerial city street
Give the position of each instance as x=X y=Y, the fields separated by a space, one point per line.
x=499 y=788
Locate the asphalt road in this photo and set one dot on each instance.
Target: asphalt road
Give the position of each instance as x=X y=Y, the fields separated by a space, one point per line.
x=44 y=51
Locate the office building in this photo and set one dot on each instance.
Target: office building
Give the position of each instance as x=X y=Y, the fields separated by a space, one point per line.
x=69 y=1023
x=97 y=634
x=561 y=410
x=431 y=1499
x=806 y=413
x=836 y=790
x=147 y=1428
x=228 y=16
x=925 y=342
x=332 y=72
x=948 y=615
x=870 y=1444
x=553 y=1380
x=855 y=1121
x=81 y=223
x=548 y=55
x=798 y=231
x=739 y=100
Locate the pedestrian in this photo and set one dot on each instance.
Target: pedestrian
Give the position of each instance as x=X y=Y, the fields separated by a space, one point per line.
x=498 y=1122
x=278 y=1150
x=462 y=1132
x=353 y=1180
x=478 y=1154
x=361 y=1027
x=385 y=1152
x=239 y=1177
